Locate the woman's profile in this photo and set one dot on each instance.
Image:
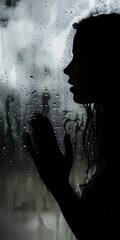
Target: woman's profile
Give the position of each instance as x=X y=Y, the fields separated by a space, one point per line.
x=94 y=78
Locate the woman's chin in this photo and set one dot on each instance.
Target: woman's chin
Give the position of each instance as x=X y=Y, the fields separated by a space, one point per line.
x=83 y=100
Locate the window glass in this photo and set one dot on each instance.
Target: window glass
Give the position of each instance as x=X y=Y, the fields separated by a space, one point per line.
x=36 y=39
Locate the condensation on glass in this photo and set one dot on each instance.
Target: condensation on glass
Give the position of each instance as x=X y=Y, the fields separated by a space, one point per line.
x=36 y=40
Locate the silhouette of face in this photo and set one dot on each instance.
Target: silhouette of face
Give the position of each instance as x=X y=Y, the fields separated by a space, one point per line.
x=82 y=71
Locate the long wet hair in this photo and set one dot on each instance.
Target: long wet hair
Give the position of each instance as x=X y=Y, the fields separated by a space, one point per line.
x=100 y=36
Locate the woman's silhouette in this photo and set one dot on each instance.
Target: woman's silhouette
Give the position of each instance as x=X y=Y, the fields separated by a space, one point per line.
x=94 y=76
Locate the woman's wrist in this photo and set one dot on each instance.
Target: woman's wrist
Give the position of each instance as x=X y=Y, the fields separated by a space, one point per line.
x=64 y=193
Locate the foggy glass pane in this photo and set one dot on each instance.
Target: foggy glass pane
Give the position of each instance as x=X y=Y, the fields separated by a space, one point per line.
x=36 y=39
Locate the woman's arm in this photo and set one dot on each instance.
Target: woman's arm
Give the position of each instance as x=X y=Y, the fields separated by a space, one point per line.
x=73 y=210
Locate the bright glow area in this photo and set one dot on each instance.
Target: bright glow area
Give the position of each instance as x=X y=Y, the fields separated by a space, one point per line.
x=108 y=6
x=53 y=14
x=58 y=46
x=91 y=4
x=49 y=220
x=32 y=224
x=13 y=77
x=1 y=61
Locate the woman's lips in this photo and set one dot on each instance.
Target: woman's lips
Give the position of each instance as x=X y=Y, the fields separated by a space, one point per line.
x=71 y=89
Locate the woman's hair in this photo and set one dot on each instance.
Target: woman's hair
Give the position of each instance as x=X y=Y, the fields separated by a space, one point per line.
x=100 y=36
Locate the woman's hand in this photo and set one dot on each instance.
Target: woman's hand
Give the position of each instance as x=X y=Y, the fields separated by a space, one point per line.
x=53 y=167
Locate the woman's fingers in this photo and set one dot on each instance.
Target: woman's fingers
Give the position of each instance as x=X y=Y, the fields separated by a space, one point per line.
x=43 y=135
x=38 y=131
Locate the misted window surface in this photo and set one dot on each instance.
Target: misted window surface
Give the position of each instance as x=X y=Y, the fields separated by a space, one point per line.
x=36 y=41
